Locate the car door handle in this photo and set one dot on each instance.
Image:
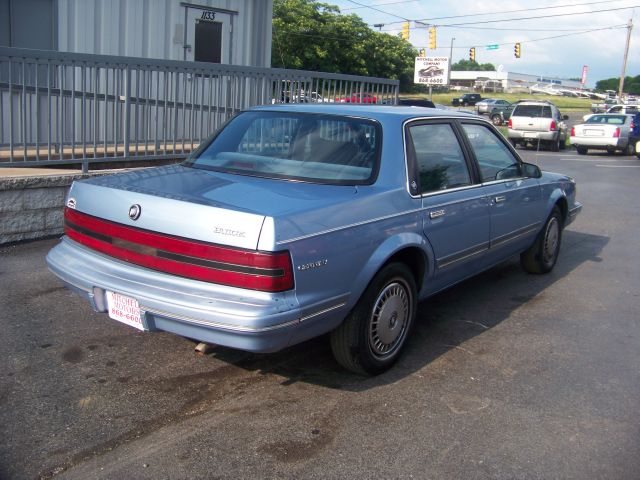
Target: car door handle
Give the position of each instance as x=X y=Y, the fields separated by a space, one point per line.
x=436 y=214
x=499 y=199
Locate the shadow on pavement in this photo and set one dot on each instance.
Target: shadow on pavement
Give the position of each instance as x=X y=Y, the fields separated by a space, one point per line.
x=444 y=321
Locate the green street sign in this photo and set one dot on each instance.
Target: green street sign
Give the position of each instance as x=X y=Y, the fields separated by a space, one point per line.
x=492 y=47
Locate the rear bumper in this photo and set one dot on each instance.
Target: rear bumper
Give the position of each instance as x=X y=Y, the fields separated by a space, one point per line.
x=525 y=135
x=238 y=318
x=599 y=142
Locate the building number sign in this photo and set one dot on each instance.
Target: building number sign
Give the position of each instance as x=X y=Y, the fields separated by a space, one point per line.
x=208 y=15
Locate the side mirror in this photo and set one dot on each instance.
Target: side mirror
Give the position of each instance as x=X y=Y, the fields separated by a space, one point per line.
x=530 y=170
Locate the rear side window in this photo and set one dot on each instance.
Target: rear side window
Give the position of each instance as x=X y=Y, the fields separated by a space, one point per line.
x=536 y=111
x=296 y=146
x=441 y=163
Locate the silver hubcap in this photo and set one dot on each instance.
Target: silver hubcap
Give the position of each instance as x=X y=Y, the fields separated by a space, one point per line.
x=389 y=319
x=551 y=240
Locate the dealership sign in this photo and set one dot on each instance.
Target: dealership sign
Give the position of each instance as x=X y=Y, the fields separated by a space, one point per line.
x=431 y=70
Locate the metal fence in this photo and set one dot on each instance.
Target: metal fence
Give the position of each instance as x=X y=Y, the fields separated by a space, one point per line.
x=69 y=108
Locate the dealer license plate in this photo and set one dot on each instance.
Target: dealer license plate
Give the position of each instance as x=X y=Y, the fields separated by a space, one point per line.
x=530 y=135
x=124 y=309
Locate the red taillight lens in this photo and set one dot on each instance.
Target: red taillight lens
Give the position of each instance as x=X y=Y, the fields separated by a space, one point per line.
x=616 y=133
x=553 y=126
x=510 y=123
x=264 y=271
x=573 y=131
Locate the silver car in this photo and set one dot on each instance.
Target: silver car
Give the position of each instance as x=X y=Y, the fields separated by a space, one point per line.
x=604 y=131
x=485 y=106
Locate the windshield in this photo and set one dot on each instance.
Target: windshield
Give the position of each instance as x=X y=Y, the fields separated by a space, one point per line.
x=295 y=146
x=610 y=119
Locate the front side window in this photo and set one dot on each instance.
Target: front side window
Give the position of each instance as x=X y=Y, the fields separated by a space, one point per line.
x=295 y=146
x=441 y=163
x=495 y=160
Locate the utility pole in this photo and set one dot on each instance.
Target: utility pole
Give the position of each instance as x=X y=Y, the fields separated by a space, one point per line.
x=624 y=61
x=450 y=62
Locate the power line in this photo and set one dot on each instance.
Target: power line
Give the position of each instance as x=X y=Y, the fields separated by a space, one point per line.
x=378 y=10
x=511 y=11
x=377 y=5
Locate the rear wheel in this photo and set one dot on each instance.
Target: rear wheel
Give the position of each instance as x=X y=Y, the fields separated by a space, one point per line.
x=370 y=339
x=611 y=150
x=581 y=150
x=629 y=150
x=555 y=145
x=513 y=143
x=541 y=257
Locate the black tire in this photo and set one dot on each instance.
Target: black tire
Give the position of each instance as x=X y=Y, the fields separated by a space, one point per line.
x=629 y=149
x=542 y=256
x=371 y=338
x=611 y=150
x=581 y=150
x=496 y=120
x=554 y=145
x=563 y=143
x=513 y=143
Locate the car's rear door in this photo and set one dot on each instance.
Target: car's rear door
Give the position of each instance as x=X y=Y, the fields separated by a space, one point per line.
x=516 y=205
x=455 y=207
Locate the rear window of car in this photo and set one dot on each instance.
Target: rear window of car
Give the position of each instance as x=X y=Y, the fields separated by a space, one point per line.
x=608 y=119
x=536 y=111
x=306 y=147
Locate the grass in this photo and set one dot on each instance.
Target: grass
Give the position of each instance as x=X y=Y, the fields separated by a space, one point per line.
x=563 y=103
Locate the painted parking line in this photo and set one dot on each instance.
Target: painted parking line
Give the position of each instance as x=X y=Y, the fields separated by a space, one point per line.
x=618 y=166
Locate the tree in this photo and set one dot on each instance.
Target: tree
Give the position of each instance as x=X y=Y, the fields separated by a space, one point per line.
x=472 y=65
x=308 y=35
x=631 y=84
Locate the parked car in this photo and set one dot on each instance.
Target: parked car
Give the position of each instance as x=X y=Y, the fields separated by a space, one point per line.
x=501 y=115
x=358 y=98
x=535 y=122
x=620 y=109
x=466 y=99
x=604 y=131
x=297 y=220
x=486 y=105
x=410 y=102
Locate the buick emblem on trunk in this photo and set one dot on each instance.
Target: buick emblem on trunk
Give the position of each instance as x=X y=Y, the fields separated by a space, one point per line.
x=135 y=211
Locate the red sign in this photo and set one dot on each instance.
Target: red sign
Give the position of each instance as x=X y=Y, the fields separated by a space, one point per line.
x=584 y=74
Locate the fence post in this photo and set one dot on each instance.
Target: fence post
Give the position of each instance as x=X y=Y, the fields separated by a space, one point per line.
x=127 y=110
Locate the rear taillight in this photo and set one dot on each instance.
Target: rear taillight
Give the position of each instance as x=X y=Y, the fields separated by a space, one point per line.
x=573 y=131
x=264 y=271
x=510 y=123
x=616 y=133
x=553 y=126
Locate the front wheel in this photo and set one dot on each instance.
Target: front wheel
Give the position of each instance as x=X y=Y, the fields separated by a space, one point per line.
x=542 y=256
x=370 y=339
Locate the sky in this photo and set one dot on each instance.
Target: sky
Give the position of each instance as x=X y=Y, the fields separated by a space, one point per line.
x=601 y=50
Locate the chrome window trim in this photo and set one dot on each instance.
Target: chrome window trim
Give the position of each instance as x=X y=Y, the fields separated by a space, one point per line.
x=406 y=157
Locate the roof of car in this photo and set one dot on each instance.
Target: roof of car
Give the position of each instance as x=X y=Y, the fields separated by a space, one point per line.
x=373 y=111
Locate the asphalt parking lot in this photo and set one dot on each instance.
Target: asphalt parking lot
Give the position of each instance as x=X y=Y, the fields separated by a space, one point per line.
x=506 y=376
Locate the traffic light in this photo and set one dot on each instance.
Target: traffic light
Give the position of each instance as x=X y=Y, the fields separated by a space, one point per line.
x=405 y=31
x=516 y=50
x=423 y=52
x=472 y=54
x=432 y=38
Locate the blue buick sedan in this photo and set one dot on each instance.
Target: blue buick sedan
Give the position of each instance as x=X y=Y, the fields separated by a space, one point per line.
x=297 y=220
